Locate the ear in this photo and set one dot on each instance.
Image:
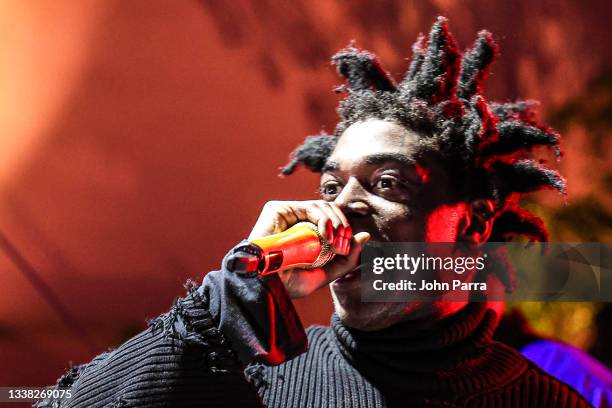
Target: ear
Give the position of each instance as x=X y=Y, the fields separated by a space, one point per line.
x=475 y=228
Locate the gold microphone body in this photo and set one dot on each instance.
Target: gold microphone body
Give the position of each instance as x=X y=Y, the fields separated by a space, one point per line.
x=300 y=246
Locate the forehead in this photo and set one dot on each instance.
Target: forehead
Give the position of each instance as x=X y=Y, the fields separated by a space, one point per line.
x=373 y=137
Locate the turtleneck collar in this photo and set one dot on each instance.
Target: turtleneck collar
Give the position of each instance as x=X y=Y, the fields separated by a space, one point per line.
x=454 y=357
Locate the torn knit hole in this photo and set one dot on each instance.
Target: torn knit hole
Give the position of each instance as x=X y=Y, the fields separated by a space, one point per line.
x=70 y=376
x=119 y=402
x=256 y=375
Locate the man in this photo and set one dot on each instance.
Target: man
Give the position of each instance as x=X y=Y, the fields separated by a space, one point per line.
x=426 y=160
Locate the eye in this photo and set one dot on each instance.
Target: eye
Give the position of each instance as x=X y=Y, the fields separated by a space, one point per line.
x=392 y=188
x=386 y=183
x=330 y=189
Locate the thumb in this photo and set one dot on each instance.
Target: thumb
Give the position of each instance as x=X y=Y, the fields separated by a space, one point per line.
x=359 y=241
x=361 y=238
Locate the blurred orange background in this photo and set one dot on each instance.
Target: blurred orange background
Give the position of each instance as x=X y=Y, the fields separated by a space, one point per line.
x=139 y=140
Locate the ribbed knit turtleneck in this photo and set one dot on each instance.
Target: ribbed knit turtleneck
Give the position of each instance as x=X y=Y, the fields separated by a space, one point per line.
x=185 y=360
x=451 y=357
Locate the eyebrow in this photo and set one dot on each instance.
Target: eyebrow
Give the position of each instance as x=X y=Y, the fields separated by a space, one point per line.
x=330 y=165
x=377 y=158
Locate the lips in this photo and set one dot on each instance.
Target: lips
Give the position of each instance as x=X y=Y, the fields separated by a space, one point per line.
x=349 y=280
x=348 y=276
x=363 y=224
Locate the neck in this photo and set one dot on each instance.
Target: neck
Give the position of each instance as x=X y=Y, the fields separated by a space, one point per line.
x=450 y=355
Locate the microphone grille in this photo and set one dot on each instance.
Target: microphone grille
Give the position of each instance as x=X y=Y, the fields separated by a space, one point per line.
x=326 y=253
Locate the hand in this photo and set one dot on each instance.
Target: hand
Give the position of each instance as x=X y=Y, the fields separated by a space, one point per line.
x=278 y=216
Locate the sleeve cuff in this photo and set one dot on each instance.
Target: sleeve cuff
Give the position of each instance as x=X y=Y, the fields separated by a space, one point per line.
x=256 y=315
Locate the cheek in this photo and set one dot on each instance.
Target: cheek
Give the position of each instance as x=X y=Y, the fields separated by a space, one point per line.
x=395 y=221
x=442 y=222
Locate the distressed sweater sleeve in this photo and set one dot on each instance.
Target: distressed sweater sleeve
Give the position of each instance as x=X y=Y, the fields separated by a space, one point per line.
x=194 y=355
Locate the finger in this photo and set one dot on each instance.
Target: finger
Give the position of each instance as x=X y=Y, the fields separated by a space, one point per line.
x=340 y=226
x=347 y=246
x=345 y=233
x=348 y=235
x=329 y=231
x=309 y=211
x=340 y=243
x=277 y=216
x=339 y=213
x=329 y=212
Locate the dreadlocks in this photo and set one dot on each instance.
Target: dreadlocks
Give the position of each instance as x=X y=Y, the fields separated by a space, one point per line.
x=486 y=145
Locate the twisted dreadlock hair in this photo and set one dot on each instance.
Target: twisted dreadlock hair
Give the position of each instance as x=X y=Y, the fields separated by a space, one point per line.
x=486 y=145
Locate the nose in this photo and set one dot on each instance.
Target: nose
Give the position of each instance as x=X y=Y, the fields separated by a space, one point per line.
x=353 y=199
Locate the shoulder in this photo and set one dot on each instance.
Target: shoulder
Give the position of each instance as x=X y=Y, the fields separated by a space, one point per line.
x=317 y=333
x=532 y=387
x=573 y=366
x=320 y=343
x=556 y=357
x=549 y=390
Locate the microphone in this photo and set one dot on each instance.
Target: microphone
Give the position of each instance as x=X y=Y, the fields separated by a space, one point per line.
x=300 y=246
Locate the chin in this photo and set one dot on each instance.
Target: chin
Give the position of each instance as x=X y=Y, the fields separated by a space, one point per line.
x=372 y=316
x=369 y=316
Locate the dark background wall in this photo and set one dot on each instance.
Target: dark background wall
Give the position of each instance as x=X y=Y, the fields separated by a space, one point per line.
x=139 y=140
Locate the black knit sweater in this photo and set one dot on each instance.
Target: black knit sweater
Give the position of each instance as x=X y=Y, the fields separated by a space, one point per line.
x=194 y=355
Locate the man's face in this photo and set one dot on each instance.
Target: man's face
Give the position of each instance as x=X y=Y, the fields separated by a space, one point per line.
x=372 y=176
